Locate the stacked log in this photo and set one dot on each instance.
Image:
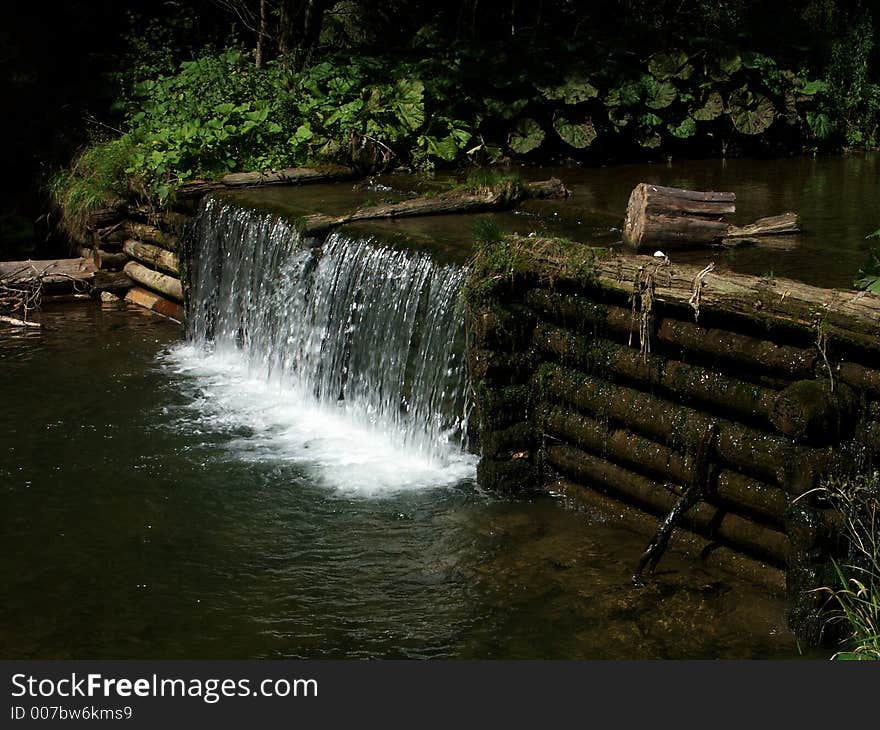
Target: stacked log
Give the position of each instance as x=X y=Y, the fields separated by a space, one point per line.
x=633 y=360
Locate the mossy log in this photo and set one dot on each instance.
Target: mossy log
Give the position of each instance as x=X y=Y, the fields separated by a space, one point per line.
x=728 y=489
x=810 y=411
x=859 y=377
x=688 y=383
x=154 y=256
x=677 y=337
x=659 y=498
x=675 y=218
x=154 y=302
x=497 y=197
x=168 y=286
x=839 y=316
x=289 y=176
x=771 y=458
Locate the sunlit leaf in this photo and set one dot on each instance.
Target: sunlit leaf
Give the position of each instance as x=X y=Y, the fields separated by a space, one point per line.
x=710 y=109
x=527 y=136
x=666 y=65
x=574 y=90
x=579 y=135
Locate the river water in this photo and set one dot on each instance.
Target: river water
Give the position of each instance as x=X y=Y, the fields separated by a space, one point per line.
x=210 y=498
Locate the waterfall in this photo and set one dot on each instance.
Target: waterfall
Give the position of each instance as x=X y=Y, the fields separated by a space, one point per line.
x=364 y=333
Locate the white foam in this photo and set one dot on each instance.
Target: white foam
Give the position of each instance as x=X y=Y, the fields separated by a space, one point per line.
x=340 y=448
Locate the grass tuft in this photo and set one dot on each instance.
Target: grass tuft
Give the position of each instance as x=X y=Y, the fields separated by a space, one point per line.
x=857 y=593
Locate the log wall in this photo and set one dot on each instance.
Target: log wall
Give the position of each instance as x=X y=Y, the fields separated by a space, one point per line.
x=609 y=372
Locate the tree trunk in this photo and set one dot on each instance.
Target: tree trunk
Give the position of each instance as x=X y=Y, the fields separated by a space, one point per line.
x=261 y=35
x=161 y=283
x=674 y=218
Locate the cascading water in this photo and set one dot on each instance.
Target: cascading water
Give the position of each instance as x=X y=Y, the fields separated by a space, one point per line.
x=348 y=359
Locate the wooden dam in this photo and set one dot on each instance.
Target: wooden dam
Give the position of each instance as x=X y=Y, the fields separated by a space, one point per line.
x=627 y=376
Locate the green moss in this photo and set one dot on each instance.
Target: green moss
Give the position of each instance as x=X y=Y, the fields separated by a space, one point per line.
x=497 y=263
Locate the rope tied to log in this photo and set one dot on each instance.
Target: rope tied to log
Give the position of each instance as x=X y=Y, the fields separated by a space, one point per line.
x=642 y=301
x=697 y=289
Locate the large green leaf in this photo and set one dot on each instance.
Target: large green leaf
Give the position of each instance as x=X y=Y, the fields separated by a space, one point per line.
x=809 y=88
x=710 y=109
x=751 y=113
x=650 y=120
x=445 y=148
x=667 y=65
x=660 y=93
x=619 y=117
x=575 y=89
x=579 y=135
x=820 y=125
x=626 y=94
x=408 y=104
x=684 y=129
x=527 y=136
x=730 y=63
x=650 y=140
x=505 y=109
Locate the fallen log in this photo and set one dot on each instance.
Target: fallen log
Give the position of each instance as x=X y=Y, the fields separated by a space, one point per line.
x=155 y=256
x=289 y=176
x=833 y=315
x=153 y=280
x=776 y=225
x=155 y=303
x=659 y=498
x=675 y=218
x=47 y=272
x=498 y=197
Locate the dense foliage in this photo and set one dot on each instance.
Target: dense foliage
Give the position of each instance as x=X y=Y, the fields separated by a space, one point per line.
x=420 y=84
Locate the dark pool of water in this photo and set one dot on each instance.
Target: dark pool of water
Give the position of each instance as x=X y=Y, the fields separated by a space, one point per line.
x=838 y=199
x=129 y=528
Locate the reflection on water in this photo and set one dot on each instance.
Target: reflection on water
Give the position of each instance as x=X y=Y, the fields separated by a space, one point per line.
x=130 y=527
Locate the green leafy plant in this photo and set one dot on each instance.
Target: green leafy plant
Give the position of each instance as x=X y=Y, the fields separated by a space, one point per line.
x=869 y=275
x=857 y=593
